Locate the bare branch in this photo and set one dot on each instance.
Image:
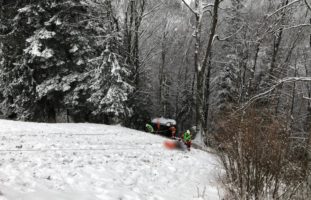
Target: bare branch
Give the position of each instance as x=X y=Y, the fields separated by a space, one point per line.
x=211 y=35
x=191 y=9
x=297 y=26
x=152 y=10
x=307 y=98
x=283 y=7
x=8 y=34
x=308 y=5
x=284 y=80
x=230 y=36
x=206 y=6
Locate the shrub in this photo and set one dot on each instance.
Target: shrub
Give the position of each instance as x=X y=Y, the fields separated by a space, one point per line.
x=256 y=155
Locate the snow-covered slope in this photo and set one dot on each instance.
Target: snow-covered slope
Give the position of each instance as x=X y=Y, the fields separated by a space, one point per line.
x=90 y=162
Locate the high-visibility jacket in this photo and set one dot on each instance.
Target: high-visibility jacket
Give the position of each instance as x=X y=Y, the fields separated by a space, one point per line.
x=187 y=137
x=149 y=128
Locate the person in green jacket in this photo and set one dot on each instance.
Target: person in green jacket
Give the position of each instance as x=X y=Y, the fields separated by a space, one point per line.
x=186 y=137
x=149 y=128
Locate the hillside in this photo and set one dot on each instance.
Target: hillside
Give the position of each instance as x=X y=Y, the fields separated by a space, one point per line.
x=92 y=162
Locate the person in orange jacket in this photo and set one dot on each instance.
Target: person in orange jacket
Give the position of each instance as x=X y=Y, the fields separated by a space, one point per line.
x=158 y=125
x=173 y=131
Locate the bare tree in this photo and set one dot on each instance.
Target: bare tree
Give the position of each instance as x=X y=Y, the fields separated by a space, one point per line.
x=202 y=69
x=132 y=22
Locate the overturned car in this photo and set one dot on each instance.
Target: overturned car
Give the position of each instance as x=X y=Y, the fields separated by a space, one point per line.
x=164 y=126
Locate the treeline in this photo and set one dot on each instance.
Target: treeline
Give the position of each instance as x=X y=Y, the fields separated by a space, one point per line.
x=255 y=44
x=239 y=70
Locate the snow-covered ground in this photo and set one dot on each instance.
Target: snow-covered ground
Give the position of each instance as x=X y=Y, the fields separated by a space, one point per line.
x=90 y=162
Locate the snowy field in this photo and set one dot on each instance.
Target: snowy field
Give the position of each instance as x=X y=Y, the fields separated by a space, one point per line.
x=91 y=162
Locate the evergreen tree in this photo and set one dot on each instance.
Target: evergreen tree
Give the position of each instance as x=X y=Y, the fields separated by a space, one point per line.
x=64 y=59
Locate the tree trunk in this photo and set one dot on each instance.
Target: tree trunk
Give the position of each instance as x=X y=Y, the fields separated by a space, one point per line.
x=133 y=18
x=199 y=75
x=202 y=76
x=162 y=72
x=51 y=114
x=207 y=93
x=253 y=84
x=200 y=105
x=308 y=130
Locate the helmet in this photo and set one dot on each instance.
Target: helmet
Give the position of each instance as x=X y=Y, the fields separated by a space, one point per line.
x=188 y=132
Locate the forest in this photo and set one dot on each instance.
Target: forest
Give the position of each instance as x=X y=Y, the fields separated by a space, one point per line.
x=236 y=71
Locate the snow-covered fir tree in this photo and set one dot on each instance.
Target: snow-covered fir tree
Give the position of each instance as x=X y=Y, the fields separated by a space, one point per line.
x=64 y=61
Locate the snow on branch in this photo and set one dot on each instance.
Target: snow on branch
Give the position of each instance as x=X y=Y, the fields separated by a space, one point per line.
x=283 y=7
x=152 y=10
x=307 y=4
x=297 y=26
x=307 y=98
x=7 y=34
x=191 y=9
x=230 y=36
x=261 y=95
x=206 y=6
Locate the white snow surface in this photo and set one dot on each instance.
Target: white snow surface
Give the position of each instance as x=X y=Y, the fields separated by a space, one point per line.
x=84 y=161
